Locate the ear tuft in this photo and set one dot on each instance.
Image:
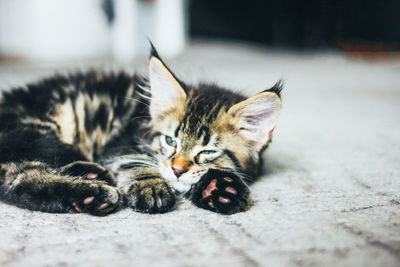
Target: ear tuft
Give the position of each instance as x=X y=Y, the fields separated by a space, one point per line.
x=153 y=51
x=277 y=88
x=257 y=117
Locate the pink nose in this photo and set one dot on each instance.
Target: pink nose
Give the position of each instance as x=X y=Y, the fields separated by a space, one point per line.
x=178 y=171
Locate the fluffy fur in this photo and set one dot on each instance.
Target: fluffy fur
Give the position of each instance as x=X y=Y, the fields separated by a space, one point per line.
x=93 y=142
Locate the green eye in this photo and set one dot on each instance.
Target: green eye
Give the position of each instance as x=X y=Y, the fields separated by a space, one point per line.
x=170 y=141
x=207 y=152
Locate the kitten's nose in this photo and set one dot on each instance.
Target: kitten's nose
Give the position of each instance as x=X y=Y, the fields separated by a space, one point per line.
x=180 y=165
x=178 y=171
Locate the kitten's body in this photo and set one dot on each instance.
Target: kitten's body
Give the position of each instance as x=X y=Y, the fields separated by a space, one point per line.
x=56 y=136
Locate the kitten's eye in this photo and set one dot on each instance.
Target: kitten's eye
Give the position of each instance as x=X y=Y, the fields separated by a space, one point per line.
x=170 y=141
x=208 y=152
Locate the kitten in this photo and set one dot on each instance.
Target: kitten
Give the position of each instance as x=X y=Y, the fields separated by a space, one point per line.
x=94 y=142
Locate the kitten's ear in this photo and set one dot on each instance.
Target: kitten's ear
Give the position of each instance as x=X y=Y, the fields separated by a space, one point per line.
x=256 y=116
x=166 y=90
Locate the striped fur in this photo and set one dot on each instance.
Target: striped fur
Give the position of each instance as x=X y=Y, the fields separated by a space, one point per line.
x=158 y=137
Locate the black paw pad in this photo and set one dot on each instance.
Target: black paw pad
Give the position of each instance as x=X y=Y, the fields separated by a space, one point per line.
x=222 y=192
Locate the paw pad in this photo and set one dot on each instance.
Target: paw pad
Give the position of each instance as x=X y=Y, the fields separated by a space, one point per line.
x=88 y=200
x=102 y=199
x=92 y=176
x=221 y=191
x=212 y=186
x=78 y=209
x=228 y=179
x=89 y=171
x=224 y=200
x=103 y=206
x=231 y=190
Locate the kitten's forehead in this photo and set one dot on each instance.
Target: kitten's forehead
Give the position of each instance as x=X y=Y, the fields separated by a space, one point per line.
x=194 y=133
x=203 y=107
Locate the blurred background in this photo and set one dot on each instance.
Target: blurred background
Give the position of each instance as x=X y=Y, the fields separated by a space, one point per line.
x=69 y=30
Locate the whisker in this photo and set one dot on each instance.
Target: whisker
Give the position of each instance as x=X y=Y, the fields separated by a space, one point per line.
x=140 y=117
x=137 y=100
x=245 y=177
x=144 y=96
x=144 y=87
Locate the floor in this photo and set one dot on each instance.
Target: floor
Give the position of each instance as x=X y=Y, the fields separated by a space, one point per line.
x=330 y=194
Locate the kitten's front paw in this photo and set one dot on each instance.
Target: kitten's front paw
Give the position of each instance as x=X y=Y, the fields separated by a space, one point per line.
x=221 y=192
x=89 y=171
x=151 y=196
x=97 y=199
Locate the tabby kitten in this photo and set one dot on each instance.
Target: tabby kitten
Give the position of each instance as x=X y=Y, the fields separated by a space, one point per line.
x=94 y=142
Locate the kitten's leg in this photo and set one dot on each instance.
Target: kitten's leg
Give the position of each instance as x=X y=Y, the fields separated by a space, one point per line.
x=34 y=186
x=148 y=192
x=89 y=171
x=48 y=181
x=143 y=187
x=220 y=191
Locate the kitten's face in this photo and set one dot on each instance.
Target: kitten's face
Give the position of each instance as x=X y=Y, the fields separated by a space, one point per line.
x=206 y=127
x=188 y=146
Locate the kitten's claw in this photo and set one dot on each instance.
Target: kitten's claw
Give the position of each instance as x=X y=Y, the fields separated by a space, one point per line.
x=221 y=192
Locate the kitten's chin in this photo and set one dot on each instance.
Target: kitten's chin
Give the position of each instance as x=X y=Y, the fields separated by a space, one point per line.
x=180 y=187
x=184 y=183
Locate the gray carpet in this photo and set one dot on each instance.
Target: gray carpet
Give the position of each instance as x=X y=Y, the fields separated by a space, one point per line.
x=330 y=195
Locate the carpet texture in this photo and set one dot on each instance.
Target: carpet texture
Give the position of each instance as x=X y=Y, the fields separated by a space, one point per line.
x=329 y=195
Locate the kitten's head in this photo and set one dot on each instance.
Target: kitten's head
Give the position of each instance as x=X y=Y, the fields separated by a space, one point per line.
x=202 y=127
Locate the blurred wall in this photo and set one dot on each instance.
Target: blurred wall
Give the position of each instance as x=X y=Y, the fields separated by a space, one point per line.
x=48 y=30
x=70 y=30
x=311 y=24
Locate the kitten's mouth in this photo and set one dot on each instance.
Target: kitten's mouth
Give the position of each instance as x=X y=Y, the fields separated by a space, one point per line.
x=181 y=187
x=181 y=184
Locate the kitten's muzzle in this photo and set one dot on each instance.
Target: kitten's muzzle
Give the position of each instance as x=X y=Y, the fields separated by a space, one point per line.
x=180 y=165
x=178 y=171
